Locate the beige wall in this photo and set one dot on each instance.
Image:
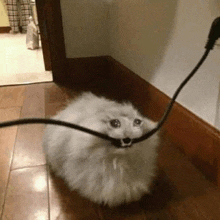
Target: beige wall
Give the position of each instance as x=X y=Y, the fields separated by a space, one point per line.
x=85 y=27
x=3 y=15
x=140 y=32
x=160 y=40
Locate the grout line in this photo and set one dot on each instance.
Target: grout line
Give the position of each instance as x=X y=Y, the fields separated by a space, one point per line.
x=47 y=166
x=12 y=160
x=9 y=175
x=25 y=167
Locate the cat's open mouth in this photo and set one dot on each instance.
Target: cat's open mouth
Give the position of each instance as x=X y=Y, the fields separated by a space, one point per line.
x=123 y=143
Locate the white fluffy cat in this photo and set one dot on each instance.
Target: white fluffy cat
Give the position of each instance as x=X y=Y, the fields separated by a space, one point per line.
x=94 y=167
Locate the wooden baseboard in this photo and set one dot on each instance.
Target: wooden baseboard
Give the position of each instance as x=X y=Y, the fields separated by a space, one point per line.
x=80 y=71
x=196 y=138
x=4 y=30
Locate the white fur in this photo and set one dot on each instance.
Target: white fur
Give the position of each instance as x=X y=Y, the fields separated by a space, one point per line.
x=94 y=167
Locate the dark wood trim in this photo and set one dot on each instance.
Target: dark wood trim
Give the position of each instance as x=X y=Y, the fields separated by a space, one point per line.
x=86 y=69
x=40 y=6
x=50 y=22
x=66 y=71
x=197 y=139
x=4 y=30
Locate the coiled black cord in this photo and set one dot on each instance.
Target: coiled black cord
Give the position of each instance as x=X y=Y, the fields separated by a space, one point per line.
x=214 y=34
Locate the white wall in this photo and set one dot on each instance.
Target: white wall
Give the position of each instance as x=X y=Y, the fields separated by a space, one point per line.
x=85 y=27
x=160 y=40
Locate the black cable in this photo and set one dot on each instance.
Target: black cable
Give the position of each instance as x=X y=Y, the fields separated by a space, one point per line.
x=170 y=105
x=58 y=122
x=214 y=34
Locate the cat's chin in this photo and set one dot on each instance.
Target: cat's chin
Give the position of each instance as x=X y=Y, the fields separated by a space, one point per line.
x=122 y=150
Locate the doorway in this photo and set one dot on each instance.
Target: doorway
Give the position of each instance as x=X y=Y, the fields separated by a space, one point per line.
x=18 y=64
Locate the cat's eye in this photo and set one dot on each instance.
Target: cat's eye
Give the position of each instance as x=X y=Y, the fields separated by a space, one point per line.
x=115 y=123
x=137 y=122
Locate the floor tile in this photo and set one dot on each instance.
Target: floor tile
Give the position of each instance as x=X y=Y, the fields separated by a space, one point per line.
x=56 y=98
x=182 y=192
x=53 y=108
x=54 y=94
x=27 y=197
x=195 y=197
x=126 y=212
x=7 y=140
x=28 y=146
x=65 y=204
x=11 y=96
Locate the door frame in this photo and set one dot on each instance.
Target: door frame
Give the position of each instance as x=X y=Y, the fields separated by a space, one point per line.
x=52 y=37
x=69 y=72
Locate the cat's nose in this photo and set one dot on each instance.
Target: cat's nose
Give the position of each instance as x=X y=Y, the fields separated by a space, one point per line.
x=126 y=142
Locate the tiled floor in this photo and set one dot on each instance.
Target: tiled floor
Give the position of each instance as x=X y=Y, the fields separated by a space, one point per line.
x=18 y=65
x=28 y=191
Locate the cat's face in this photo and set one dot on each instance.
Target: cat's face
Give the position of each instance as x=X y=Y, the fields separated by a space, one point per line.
x=123 y=127
x=124 y=123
